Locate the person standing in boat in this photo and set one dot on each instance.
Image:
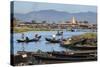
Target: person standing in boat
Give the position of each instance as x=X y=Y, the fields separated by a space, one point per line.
x=22 y=35
x=36 y=35
x=53 y=37
x=57 y=32
x=62 y=36
x=27 y=38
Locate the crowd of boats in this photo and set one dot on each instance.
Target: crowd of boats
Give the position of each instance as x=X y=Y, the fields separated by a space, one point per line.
x=64 y=42
x=37 y=38
x=80 y=52
x=30 y=58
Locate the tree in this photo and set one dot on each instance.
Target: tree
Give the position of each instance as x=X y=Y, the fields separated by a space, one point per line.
x=33 y=21
x=43 y=22
x=86 y=22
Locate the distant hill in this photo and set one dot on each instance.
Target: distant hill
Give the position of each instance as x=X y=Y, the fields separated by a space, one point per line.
x=56 y=16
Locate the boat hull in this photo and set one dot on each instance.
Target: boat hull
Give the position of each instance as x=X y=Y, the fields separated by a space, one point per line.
x=80 y=47
x=52 y=41
x=30 y=40
x=65 y=59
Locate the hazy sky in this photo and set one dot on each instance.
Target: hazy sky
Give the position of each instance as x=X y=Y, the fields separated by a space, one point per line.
x=25 y=7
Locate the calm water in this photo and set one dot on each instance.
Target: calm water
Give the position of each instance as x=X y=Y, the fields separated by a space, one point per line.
x=42 y=44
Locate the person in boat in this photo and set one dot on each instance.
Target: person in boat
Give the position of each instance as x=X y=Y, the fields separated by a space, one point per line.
x=22 y=35
x=62 y=32
x=27 y=38
x=62 y=36
x=57 y=32
x=53 y=37
x=36 y=35
x=72 y=30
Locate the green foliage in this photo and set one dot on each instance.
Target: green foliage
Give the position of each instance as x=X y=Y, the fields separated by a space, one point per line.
x=25 y=29
x=89 y=35
x=91 y=39
x=33 y=21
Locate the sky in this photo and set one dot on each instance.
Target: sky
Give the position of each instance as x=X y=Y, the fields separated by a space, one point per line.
x=26 y=7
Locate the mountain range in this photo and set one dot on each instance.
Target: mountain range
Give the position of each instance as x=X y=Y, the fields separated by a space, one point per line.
x=56 y=16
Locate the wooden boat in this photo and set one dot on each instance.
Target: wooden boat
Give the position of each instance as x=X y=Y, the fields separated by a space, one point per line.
x=64 y=58
x=56 y=56
x=53 y=40
x=84 y=47
x=30 y=40
x=59 y=33
x=72 y=54
x=72 y=30
x=80 y=47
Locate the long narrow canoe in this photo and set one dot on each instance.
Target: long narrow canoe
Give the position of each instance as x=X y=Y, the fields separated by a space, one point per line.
x=65 y=59
x=30 y=40
x=53 y=40
x=80 y=47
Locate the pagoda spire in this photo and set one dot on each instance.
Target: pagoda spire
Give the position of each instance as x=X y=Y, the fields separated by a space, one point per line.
x=73 y=20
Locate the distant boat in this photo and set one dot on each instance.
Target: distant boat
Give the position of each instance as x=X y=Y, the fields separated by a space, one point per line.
x=53 y=40
x=72 y=30
x=29 y=40
x=59 y=33
x=72 y=54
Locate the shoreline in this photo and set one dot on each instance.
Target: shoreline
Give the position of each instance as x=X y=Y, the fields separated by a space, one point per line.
x=25 y=29
x=20 y=30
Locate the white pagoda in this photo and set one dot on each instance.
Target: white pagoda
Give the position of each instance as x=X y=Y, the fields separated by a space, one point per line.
x=73 y=20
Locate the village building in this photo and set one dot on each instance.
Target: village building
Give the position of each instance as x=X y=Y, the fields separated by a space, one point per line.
x=73 y=23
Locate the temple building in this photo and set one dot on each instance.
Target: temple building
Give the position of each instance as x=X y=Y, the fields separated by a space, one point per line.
x=73 y=22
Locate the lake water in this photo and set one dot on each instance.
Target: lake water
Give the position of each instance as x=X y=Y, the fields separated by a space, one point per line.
x=42 y=44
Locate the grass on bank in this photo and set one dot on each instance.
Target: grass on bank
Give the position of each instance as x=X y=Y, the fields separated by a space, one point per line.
x=89 y=35
x=25 y=29
x=92 y=39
